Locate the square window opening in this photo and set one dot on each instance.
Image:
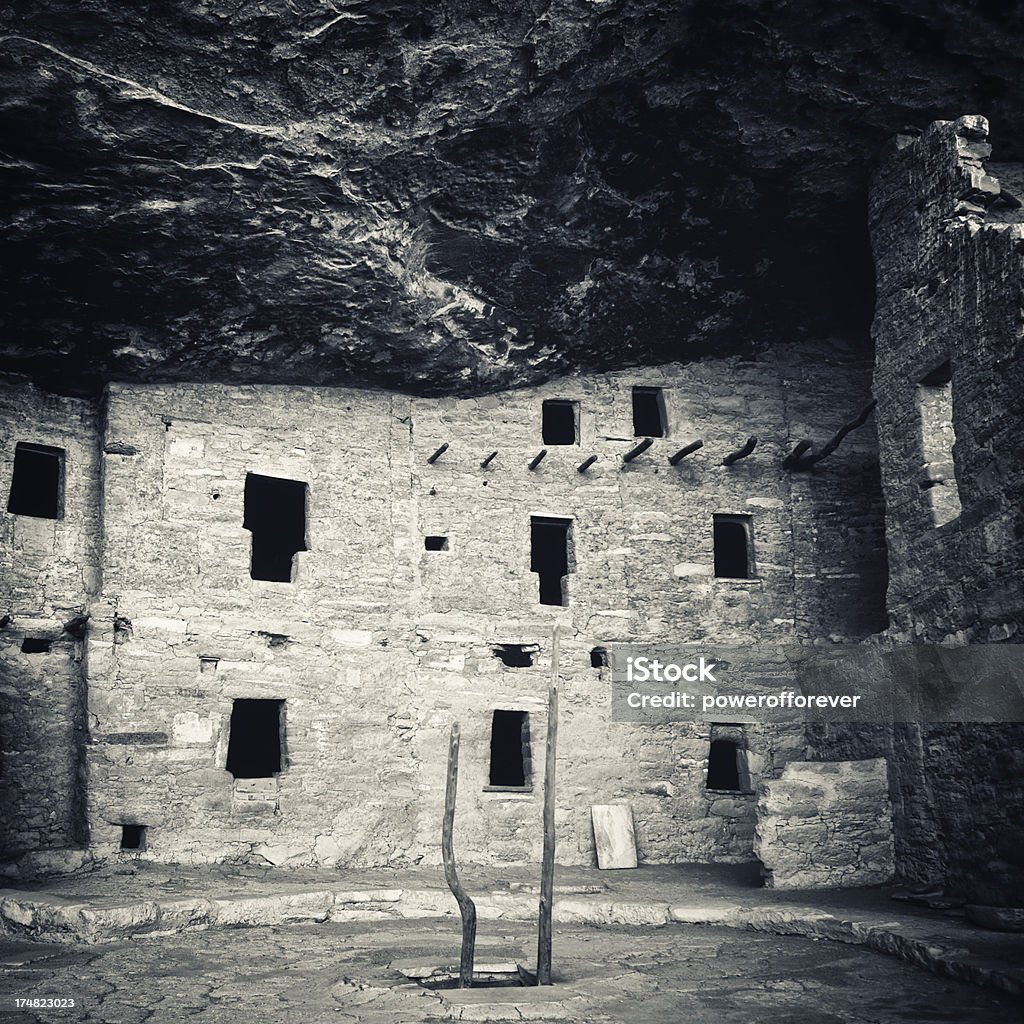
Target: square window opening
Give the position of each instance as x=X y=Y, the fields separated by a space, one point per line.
x=37 y=484
x=133 y=837
x=435 y=543
x=510 y=766
x=275 y=514
x=599 y=658
x=734 y=547
x=560 y=422
x=35 y=645
x=255 y=741
x=551 y=557
x=649 y=419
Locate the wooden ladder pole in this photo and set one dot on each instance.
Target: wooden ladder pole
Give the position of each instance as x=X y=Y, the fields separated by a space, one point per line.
x=547 y=870
x=466 y=906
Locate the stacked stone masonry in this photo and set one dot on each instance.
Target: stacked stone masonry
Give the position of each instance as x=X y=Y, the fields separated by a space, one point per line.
x=49 y=570
x=826 y=825
x=949 y=253
x=378 y=643
x=382 y=638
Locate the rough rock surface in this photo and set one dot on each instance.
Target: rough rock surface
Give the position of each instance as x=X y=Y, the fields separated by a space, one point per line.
x=456 y=197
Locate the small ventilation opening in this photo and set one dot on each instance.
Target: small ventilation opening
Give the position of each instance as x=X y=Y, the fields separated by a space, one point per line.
x=35 y=645
x=37 y=482
x=732 y=540
x=649 y=418
x=435 y=543
x=560 y=422
x=133 y=837
x=514 y=655
x=510 y=749
x=598 y=658
x=723 y=766
x=254 y=744
x=549 y=557
x=275 y=513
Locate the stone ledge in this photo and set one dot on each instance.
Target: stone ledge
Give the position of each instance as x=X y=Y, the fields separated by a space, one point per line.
x=49 y=918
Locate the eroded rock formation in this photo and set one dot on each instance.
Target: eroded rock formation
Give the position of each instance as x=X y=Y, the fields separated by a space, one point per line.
x=461 y=196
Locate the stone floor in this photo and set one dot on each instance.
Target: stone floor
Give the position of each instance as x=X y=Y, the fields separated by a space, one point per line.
x=335 y=972
x=138 y=941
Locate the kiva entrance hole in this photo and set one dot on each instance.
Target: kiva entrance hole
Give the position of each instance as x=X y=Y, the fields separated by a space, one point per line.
x=486 y=976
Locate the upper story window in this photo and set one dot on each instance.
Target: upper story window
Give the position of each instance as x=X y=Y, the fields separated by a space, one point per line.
x=734 y=547
x=550 y=557
x=37 y=484
x=560 y=422
x=649 y=419
x=275 y=512
x=937 y=437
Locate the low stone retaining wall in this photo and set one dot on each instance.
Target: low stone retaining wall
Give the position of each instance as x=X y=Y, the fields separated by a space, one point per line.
x=826 y=825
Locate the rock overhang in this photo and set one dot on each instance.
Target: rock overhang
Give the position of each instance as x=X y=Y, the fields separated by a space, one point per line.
x=459 y=200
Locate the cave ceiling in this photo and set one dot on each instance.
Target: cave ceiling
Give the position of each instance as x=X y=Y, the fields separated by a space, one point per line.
x=457 y=197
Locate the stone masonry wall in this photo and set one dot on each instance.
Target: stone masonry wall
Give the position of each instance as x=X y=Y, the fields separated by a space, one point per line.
x=378 y=644
x=949 y=254
x=951 y=288
x=826 y=825
x=48 y=574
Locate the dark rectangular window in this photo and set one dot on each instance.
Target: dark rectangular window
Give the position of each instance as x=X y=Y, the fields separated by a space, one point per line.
x=275 y=513
x=133 y=837
x=728 y=761
x=510 y=749
x=723 y=765
x=37 y=484
x=35 y=645
x=734 y=549
x=649 y=419
x=560 y=422
x=515 y=655
x=254 y=742
x=435 y=543
x=549 y=557
x=935 y=422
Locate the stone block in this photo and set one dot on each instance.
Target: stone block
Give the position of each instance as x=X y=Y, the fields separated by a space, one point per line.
x=837 y=832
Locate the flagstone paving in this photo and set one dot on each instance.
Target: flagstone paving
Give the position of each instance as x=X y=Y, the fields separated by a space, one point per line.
x=345 y=972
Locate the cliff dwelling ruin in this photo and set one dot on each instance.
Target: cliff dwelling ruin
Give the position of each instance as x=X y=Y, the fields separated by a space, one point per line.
x=330 y=385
